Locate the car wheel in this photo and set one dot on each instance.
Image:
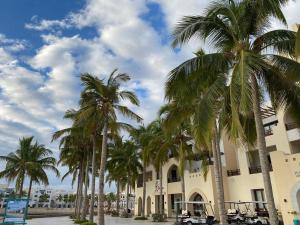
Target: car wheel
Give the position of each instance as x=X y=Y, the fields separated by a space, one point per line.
x=189 y=223
x=238 y=221
x=258 y=223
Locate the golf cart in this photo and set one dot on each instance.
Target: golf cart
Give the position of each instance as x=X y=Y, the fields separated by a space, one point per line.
x=243 y=212
x=204 y=215
x=235 y=213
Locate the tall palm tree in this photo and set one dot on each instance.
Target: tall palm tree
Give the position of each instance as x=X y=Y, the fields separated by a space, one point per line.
x=159 y=149
x=202 y=98
x=179 y=138
x=75 y=148
x=253 y=61
x=125 y=160
x=142 y=136
x=115 y=170
x=29 y=160
x=105 y=97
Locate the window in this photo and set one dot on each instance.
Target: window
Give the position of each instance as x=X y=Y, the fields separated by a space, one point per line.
x=149 y=176
x=259 y=196
x=269 y=128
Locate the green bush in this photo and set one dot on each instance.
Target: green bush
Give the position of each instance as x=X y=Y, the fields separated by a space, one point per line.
x=114 y=213
x=80 y=221
x=159 y=217
x=140 y=218
x=88 y=223
x=125 y=214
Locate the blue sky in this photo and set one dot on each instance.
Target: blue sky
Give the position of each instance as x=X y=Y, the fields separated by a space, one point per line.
x=46 y=45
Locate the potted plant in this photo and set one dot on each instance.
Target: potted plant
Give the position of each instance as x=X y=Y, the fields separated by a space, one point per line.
x=296 y=220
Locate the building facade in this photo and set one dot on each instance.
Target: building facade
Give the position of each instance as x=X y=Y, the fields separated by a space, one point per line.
x=242 y=178
x=51 y=198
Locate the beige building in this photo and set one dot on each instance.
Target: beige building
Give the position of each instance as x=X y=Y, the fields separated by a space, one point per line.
x=242 y=174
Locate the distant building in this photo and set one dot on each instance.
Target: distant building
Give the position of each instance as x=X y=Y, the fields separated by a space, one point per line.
x=5 y=192
x=51 y=198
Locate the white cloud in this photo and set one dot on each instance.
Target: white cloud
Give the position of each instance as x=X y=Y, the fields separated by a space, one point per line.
x=34 y=97
x=50 y=25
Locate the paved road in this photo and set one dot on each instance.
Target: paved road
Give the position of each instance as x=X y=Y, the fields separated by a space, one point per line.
x=109 y=221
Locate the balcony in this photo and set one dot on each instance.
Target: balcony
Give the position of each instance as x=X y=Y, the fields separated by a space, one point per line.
x=291 y=126
x=257 y=169
x=231 y=173
x=268 y=132
x=254 y=169
x=173 y=179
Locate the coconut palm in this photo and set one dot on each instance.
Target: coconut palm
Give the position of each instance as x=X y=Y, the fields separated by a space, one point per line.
x=75 y=148
x=159 y=149
x=126 y=161
x=29 y=160
x=41 y=160
x=142 y=136
x=104 y=97
x=253 y=61
x=115 y=172
x=178 y=138
x=202 y=98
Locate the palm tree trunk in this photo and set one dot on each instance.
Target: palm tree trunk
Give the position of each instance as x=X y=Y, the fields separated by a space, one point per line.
x=21 y=187
x=218 y=183
x=127 y=196
x=118 y=198
x=183 y=192
x=77 y=196
x=86 y=184
x=81 y=192
x=144 y=190
x=79 y=203
x=101 y=174
x=262 y=150
x=161 y=202
x=30 y=187
x=92 y=203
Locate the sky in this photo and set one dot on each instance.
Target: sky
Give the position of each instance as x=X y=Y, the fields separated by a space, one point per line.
x=46 y=45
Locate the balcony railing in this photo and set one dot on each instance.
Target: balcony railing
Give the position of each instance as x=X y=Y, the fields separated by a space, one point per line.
x=257 y=169
x=231 y=173
x=290 y=126
x=173 y=180
x=254 y=169
x=268 y=132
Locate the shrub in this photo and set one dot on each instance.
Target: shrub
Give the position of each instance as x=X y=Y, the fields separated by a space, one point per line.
x=88 y=223
x=114 y=213
x=125 y=214
x=140 y=218
x=80 y=221
x=159 y=217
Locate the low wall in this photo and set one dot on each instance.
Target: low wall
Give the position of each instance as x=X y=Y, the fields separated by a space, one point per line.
x=46 y=212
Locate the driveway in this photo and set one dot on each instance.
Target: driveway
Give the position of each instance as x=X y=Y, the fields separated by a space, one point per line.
x=108 y=221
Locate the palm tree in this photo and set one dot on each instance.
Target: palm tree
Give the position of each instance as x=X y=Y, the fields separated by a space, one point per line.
x=251 y=59
x=178 y=138
x=159 y=149
x=41 y=160
x=142 y=136
x=110 y=198
x=105 y=98
x=115 y=172
x=75 y=145
x=126 y=161
x=29 y=160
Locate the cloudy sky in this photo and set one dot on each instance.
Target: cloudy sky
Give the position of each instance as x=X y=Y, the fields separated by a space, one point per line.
x=46 y=45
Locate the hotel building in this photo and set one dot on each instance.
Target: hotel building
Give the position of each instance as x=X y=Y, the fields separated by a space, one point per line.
x=242 y=176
